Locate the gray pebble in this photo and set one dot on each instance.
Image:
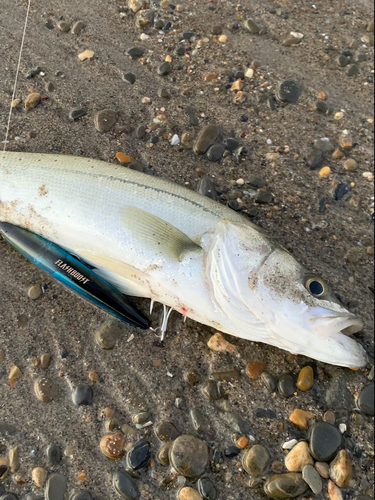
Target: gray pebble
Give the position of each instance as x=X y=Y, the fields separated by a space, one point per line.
x=83 y=495
x=341 y=190
x=64 y=26
x=286 y=385
x=129 y=77
x=323 y=107
x=256 y=460
x=366 y=400
x=325 y=440
x=135 y=52
x=314 y=159
x=216 y=30
x=289 y=91
x=164 y=93
x=105 y=120
x=197 y=419
x=269 y=381
x=207 y=489
x=193 y=119
x=164 y=69
x=55 y=487
x=166 y=431
x=142 y=417
x=215 y=152
x=140 y=132
x=284 y=486
x=342 y=61
x=291 y=40
x=125 y=485
x=163 y=454
x=189 y=456
x=139 y=456
x=206 y=138
x=211 y=390
x=353 y=70
x=256 y=182
x=76 y=114
x=252 y=26
x=312 y=478
x=207 y=188
x=264 y=197
x=78 y=27
x=231 y=144
x=54 y=455
x=324 y=145
x=82 y=395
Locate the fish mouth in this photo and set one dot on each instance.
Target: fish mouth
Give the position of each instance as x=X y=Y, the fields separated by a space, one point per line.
x=330 y=326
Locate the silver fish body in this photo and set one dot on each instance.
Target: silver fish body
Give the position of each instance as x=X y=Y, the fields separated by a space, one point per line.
x=155 y=239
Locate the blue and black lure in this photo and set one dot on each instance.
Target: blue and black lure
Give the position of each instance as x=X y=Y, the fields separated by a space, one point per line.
x=73 y=273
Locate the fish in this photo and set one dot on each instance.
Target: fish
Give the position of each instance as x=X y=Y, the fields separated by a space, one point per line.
x=155 y=239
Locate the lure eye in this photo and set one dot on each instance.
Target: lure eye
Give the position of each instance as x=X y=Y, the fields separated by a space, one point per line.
x=316 y=287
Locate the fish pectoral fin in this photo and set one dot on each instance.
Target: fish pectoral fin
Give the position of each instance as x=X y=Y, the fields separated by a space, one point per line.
x=157 y=234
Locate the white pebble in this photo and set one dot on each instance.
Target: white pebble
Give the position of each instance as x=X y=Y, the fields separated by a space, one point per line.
x=297 y=35
x=170 y=374
x=342 y=428
x=175 y=140
x=269 y=141
x=144 y=36
x=288 y=445
x=240 y=182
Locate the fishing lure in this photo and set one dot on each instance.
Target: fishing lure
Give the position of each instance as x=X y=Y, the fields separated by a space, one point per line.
x=73 y=273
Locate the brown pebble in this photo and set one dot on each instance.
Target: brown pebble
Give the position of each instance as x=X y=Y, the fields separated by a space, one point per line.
x=334 y=492
x=337 y=154
x=189 y=493
x=340 y=470
x=301 y=418
x=329 y=417
x=305 y=379
x=93 y=376
x=243 y=442
x=45 y=360
x=14 y=460
x=323 y=469
x=15 y=103
x=123 y=158
x=255 y=369
x=14 y=373
x=34 y=292
x=45 y=390
x=298 y=457
x=219 y=344
x=322 y=95
x=239 y=98
x=32 y=100
x=39 y=476
x=112 y=445
x=237 y=85
x=210 y=77
x=346 y=141
x=277 y=466
x=350 y=165
x=87 y=54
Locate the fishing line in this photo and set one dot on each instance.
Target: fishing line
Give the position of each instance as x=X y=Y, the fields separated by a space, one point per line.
x=17 y=73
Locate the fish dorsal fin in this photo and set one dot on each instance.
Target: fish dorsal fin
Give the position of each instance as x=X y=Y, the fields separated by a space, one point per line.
x=157 y=234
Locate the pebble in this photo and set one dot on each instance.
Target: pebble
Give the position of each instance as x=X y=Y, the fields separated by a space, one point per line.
x=223 y=39
x=325 y=440
x=76 y=114
x=32 y=100
x=342 y=61
x=192 y=376
x=366 y=400
x=264 y=197
x=54 y=455
x=83 y=495
x=323 y=469
x=163 y=454
x=215 y=152
x=125 y=485
x=14 y=460
x=255 y=369
x=252 y=26
x=291 y=40
x=39 y=476
x=112 y=445
x=329 y=417
x=207 y=188
x=139 y=456
x=45 y=390
x=350 y=165
x=188 y=493
x=352 y=70
x=130 y=78
x=14 y=373
x=249 y=73
x=298 y=457
x=197 y=419
x=305 y=380
x=63 y=26
x=189 y=456
x=166 y=431
x=285 y=385
x=285 y=486
x=312 y=478
x=346 y=141
x=243 y=442
x=340 y=470
x=210 y=77
x=232 y=451
x=324 y=145
x=135 y=52
x=164 y=69
x=314 y=159
x=239 y=98
x=55 y=487
x=341 y=190
x=123 y=158
x=206 y=138
x=334 y=492
x=301 y=418
x=211 y=390
x=237 y=85
x=82 y=395
x=324 y=172
x=15 y=103
x=78 y=27
x=256 y=460
x=105 y=120
x=219 y=344
x=269 y=381
x=192 y=118
x=289 y=91
x=207 y=489
x=87 y=54
x=142 y=417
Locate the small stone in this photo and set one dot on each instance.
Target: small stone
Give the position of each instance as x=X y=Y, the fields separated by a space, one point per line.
x=207 y=188
x=286 y=386
x=323 y=469
x=255 y=369
x=301 y=418
x=273 y=156
x=264 y=197
x=64 y=26
x=346 y=141
x=45 y=360
x=78 y=27
x=125 y=485
x=289 y=91
x=325 y=440
x=353 y=70
x=219 y=344
x=249 y=73
x=242 y=442
x=123 y=158
x=15 y=103
x=130 y=78
x=237 y=85
x=105 y=120
x=366 y=400
x=269 y=381
x=45 y=390
x=288 y=445
x=163 y=454
x=239 y=98
x=350 y=165
x=285 y=486
x=215 y=152
x=342 y=61
x=252 y=26
x=298 y=457
x=256 y=460
x=232 y=451
x=112 y=445
x=189 y=456
x=87 y=54
x=197 y=419
x=83 y=495
x=164 y=69
x=166 y=431
x=312 y=478
x=206 y=138
x=329 y=417
x=210 y=77
x=207 y=489
x=188 y=493
x=291 y=40
x=324 y=172
x=211 y=390
x=217 y=30
x=223 y=39
x=142 y=418
x=324 y=145
x=82 y=395
x=108 y=333
x=305 y=379
x=32 y=100
x=34 y=292
x=192 y=118
x=135 y=52
x=337 y=154
x=192 y=377
x=54 y=454
x=14 y=373
x=14 y=460
x=340 y=470
x=139 y=456
x=314 y=159
x=76 y=114
x=334 y=492
x=39 y=476
x=55 y=487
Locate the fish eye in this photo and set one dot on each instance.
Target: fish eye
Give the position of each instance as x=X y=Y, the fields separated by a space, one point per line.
x=316 y=287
